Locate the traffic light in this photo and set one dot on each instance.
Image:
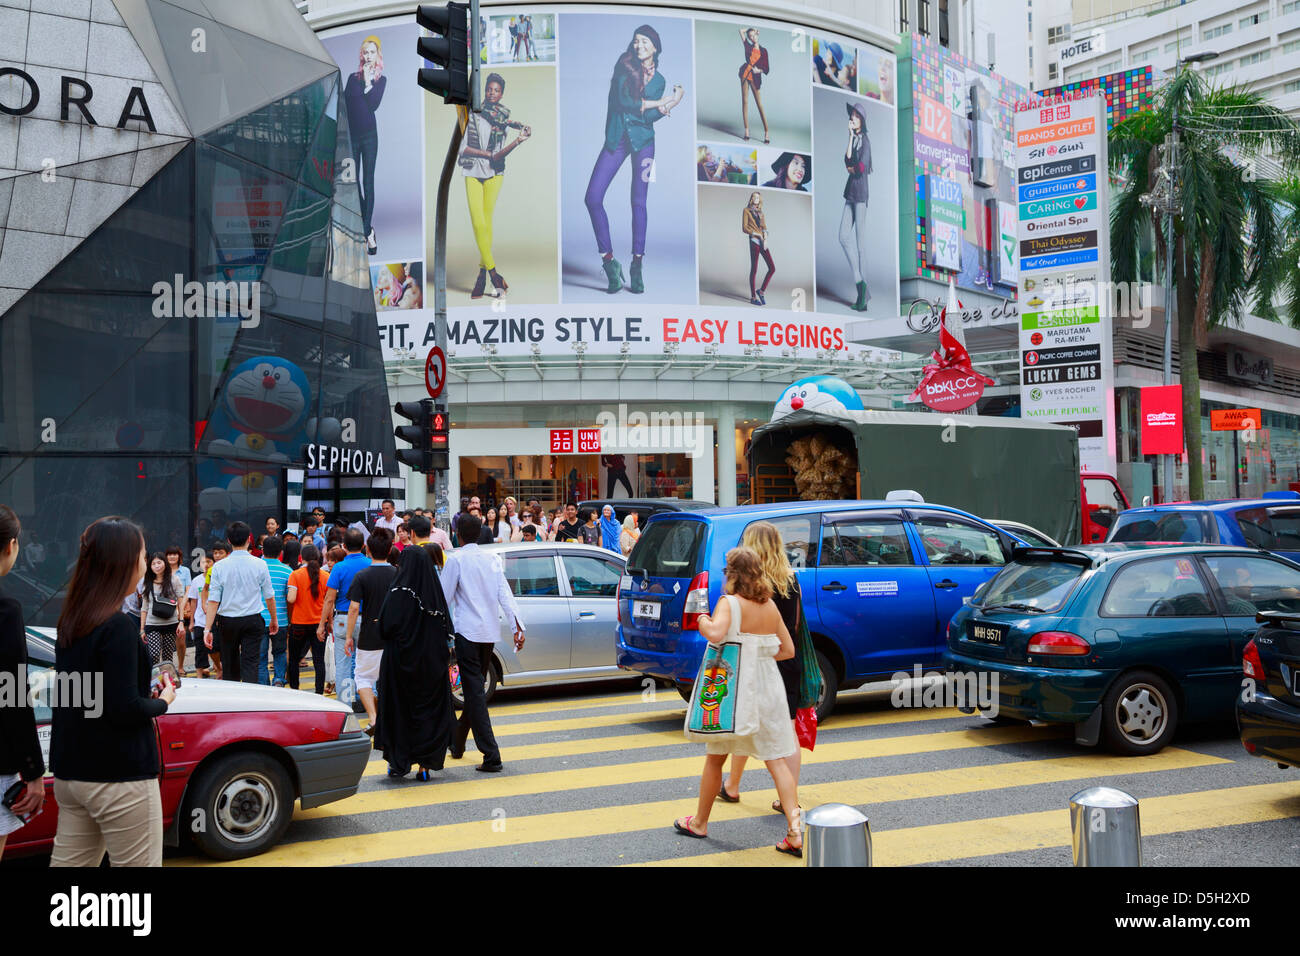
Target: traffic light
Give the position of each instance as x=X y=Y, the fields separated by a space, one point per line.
x=439 y=450
x=417 y=434
x=449 y=48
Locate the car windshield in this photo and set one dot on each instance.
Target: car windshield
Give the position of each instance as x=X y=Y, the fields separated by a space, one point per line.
x=668 y=548
x=1188 y=527
x=1039 y=585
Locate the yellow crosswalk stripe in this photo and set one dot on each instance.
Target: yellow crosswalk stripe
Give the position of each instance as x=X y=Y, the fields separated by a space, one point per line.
x=641 y=741
x=585 y=778
x=498 y=830
x=1010 y=834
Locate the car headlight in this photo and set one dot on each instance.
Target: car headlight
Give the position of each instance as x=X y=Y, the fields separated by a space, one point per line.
x=352 y=725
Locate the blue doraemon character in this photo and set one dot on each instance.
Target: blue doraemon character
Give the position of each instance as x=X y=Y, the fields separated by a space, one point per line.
x=264 y=407
x=818 y=393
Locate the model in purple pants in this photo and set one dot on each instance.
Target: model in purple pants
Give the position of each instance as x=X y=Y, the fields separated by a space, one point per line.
x=608 y=163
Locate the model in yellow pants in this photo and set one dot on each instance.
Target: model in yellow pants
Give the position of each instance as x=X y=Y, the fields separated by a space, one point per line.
x=482 y=196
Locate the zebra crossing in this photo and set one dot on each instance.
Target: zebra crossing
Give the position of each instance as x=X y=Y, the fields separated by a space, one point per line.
x=596 y=778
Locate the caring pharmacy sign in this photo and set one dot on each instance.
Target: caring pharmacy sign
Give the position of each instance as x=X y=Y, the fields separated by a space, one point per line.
x=1066 y=370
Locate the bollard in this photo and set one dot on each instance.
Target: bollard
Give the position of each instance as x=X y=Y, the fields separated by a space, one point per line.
x=1105 y=827
x=836 y=835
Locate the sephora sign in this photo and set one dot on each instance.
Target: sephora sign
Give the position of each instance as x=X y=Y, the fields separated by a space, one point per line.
x=73 y=92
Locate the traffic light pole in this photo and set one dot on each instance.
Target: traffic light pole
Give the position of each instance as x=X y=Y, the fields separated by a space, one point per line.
x=441 y=510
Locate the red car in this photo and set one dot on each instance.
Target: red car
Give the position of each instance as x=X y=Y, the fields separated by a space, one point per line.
x=235 y=757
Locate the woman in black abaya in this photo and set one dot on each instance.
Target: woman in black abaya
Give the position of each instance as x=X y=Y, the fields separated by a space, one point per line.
x=415 y=717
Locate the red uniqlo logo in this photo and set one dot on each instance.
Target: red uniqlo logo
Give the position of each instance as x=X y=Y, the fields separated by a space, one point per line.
x=589 y=441
x=561 y=441
x=1045 y=116
x=1063 y=112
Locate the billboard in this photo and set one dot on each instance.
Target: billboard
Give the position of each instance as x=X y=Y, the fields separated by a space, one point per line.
x=617 y=193
x=961 y=150
x=1066 y=370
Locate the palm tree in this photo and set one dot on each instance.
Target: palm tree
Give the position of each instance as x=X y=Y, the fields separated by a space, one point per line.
x=1227 y=223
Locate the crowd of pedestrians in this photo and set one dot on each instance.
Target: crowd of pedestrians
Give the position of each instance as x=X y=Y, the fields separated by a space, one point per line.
x=386 y=614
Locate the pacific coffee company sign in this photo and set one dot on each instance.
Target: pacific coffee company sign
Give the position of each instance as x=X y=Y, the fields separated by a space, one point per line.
x=73 y=92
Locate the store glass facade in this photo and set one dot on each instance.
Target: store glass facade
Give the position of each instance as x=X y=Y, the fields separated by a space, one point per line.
x=1237 y=464
x=214 y=329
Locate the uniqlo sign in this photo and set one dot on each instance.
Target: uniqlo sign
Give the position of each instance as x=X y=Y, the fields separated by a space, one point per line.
x=1162 y=420
x=561 y=441
x=589 y=441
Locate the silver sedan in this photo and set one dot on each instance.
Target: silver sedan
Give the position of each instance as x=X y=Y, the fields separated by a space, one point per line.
x=567 y=598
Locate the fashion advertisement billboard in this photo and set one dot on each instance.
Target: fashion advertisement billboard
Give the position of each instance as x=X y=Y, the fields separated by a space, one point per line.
x=962 y=119
x=604 y=197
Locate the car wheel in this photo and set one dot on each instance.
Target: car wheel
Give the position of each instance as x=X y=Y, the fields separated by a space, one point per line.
x=489 y=688
x=1139 y=714
x=241 y=805
x=830 y=687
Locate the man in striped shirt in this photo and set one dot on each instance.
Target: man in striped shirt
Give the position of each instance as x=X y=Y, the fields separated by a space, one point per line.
x=279 y=571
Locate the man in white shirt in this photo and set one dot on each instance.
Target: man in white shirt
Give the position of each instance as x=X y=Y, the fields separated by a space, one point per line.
x=475 y=585
x=389 y=518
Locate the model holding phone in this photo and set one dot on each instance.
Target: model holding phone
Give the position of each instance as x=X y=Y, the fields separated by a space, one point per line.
x=22 y=767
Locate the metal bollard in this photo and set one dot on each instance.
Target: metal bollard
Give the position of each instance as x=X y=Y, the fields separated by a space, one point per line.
x=836 y=835
x=1105 y=827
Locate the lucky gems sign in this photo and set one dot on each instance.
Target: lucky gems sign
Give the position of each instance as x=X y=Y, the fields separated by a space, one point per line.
x=948 y=383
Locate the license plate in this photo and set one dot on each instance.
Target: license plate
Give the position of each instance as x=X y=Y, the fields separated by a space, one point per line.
x=988 y=633
x=646 y=609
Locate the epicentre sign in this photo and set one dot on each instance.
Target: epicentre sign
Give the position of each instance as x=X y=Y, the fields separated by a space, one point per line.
x=136 y=106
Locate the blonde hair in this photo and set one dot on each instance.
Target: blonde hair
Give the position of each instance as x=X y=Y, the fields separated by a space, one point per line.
x=765 y=541
x=745 y=575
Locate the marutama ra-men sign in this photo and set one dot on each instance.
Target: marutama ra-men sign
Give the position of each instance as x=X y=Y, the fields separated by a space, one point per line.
x=73 y=91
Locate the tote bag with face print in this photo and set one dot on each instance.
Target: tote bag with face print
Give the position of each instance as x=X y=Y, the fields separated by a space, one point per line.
x=724 y=701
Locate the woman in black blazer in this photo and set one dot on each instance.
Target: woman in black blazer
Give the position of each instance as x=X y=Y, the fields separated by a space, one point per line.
x=104 y=747
x=20 y=749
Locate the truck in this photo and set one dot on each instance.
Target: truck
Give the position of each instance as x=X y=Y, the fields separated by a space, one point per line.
x=998 y=468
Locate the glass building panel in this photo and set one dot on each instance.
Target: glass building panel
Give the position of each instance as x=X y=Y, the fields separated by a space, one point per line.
x=237 y=211
x=318 y=170
x=56 y=497
x=354 y=390
x=350 y=305
x=279 y=135
x=294 y=279
x=146 y=241
x=86 y=372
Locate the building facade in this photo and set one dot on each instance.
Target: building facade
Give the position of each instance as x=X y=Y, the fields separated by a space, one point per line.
x=185 y=309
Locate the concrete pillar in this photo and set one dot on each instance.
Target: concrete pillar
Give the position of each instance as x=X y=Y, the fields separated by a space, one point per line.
x=726 y=455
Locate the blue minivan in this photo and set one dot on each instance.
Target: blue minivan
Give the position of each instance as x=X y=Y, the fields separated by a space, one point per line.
x=880 y=580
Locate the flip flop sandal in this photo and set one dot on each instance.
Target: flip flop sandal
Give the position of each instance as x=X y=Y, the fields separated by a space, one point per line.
x=722 y=793
x=785 y=847
x=687 y=831
x=776 y=808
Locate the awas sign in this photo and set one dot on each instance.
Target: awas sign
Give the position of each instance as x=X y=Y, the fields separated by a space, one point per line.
x=1066 y=368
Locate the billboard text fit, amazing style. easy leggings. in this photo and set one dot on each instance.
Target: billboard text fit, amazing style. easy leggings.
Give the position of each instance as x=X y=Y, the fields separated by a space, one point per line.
x=607 y=165
x=482 y=195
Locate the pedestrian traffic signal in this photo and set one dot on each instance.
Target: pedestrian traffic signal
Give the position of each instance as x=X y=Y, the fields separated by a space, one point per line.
x=439 y=445
x=448 y=48
x=417 y=434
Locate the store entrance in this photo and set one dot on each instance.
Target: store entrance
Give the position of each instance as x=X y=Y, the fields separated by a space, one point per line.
x=557 y=479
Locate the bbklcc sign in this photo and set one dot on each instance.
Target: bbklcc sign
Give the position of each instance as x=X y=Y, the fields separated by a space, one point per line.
x=951 y=390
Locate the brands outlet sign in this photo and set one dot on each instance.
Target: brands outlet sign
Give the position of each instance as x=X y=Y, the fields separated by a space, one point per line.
x=1066 y=366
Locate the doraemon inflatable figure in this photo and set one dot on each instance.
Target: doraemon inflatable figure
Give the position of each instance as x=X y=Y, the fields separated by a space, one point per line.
x=264 y=407
x=818 y=393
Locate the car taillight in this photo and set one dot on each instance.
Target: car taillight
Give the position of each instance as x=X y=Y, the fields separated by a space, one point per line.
x=618 y=602
x=1058 y=642
x=1251 y=664
x=697 y=601
x=950 y=631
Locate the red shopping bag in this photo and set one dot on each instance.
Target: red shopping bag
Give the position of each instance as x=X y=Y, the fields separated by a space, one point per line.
x=805 y=727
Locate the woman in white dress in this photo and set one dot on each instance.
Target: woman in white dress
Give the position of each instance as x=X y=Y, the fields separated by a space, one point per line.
x=747 y=614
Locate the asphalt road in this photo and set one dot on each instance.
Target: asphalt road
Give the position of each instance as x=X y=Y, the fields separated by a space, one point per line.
x=596 y=774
